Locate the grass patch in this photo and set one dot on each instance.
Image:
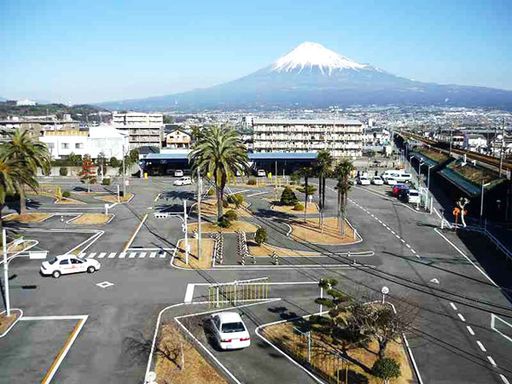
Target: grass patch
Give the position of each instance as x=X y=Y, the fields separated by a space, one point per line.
x=178 y=362
x=113 y=198
x=235 y=226
x=311 y=231
x=91 y=219
x=206 y=254
x=325 y=360
x=266 y=250
x=28 y=217
x=440 y=157
x=472 y=173
x=6 y=321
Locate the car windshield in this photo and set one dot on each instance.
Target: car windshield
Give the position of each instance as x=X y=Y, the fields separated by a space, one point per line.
x=413 y=193
x=233 y=327
x=52 y=261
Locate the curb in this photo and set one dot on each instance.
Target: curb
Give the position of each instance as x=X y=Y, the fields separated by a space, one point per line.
x=14 y=322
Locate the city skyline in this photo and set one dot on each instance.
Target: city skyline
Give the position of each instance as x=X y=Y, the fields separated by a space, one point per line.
x=114 y=51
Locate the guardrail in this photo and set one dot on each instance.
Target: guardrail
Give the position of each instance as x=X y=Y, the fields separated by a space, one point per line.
x=491 y=237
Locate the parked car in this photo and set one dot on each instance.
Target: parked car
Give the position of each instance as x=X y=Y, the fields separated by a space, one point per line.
x=413 y=196
x=261 y=173
x=185 y=180
x=230 y=331
x=390 y=181
x=66 y=264
x=398 y=188
x=377 y=180
x=178 y=173
x=363 y=180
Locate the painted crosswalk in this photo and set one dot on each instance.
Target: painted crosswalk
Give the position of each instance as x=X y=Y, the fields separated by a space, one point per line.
x=125 y=255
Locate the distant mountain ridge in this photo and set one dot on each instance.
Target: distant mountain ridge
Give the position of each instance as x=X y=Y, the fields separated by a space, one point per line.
x=312 y=76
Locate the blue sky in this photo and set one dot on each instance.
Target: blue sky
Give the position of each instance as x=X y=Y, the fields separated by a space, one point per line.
x=88 y=51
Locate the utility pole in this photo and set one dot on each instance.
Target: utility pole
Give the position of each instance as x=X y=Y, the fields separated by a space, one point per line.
x=502 y=146
x=306 y=196
x=124 y=173
x=6 y=274
x=199 y=193
x=185 y=229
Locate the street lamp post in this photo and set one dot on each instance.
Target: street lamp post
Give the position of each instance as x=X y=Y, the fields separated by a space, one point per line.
x=384 y=291
x=6 y=274
x=124 y=173
x=482 y=199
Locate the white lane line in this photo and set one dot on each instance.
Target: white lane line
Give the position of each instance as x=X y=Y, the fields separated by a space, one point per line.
x=142 y=255
x=189 y=293
x=112 y=255
x=461 y=317
x=256 y=194
x=481 y=346
x=102 y=255
x=91 y=255
x=402 y=240
x=152 y=255
x=453 y=306
x=491 y=360
x=397 y=236
x=470 y=330
x=413 y=251
x=504 y=379
x=467 y=258
x=157 y=197
x=122 y=255
x=163 y=254
x=132 y=255
x=408 y=246
x=393 y=232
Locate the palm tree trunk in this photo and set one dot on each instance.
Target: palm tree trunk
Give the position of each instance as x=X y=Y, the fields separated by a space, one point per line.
x=23 y=201
x=1 y=223
x=219 y=203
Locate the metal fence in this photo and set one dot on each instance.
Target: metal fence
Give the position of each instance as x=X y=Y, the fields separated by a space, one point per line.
x=239 y=291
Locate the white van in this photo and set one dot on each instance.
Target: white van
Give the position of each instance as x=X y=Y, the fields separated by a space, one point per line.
x=413 y=197
x=398 y=174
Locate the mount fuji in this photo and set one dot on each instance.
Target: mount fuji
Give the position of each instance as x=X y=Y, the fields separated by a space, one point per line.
x=312 y=76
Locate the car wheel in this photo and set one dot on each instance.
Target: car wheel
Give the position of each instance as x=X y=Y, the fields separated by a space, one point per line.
x=91 y=269
x=56 y=274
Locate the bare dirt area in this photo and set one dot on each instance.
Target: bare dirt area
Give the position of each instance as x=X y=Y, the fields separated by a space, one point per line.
x=28 y=217
x=266 y=250
x=113 y=198
x=6 y=321
x=178 y=362
x=329 y=235
x=209 y=208
x=194 y=263
x=326 y=360
x=91 y=219
x=68 y=200
x=235 y=226
x=312 y=208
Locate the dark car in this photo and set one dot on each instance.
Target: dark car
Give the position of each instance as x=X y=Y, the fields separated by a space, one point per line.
x=398 y=189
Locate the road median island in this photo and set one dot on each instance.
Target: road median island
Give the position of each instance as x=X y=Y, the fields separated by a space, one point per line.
x=27 y=218
x=209 y=208
x=310 y=231
x=235 y=226
x=179 y=362
x=114 y=199
x=291 y=209
x=207 y=246
x=91 y=219
x=328 y=359
x=6 y=322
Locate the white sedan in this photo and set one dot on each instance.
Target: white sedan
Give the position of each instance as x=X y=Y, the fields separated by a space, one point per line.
x=230 y=331
x=363 y=180
x=178 y=173
x=66 y=264
x=377 y=180
x=185 y=180
x=391 y=181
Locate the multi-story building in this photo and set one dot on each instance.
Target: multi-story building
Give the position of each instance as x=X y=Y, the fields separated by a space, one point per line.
x=343 y=138
x=178 y=139
x=35 y=125
x=144 y=129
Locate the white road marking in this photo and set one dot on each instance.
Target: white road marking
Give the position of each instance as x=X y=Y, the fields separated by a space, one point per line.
x=152 y=255
x=504 y=379
x=453 y=306
x=189 y=294
x=105 y=284
x=397 y=236
x=102 y=255
x=461 y=317
x=112 y=255
x=91 y=255
x=142 y=255
x=256 y=194
x=402 y=240
x=491 y=360
x=481 y=346
x=163 y=254
x=393 y=232
x=470 y=330
x=122 y=255
x=407 y=245
x=493 y=326
x=413 y=251
x=132 y=255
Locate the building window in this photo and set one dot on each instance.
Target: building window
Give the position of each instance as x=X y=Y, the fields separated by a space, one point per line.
x=79 y=145
x=64 y=145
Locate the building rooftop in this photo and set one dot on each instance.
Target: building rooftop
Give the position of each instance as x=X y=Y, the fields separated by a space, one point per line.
x=307 y=122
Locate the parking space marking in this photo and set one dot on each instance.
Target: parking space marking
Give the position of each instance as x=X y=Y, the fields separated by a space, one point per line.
x=481 y=346
x=102 y=255
x=470 y=330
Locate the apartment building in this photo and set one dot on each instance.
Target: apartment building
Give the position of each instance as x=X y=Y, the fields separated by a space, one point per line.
x=342 y=137
x=178 y=139
x=143 y=129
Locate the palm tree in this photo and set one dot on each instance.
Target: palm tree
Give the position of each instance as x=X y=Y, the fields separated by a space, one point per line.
x=29 y=155
x=219 y=153
x=12 y=172
x=342 y=171
x=323 y=165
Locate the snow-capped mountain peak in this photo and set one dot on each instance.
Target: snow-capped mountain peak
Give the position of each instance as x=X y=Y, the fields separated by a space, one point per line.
x=308 y=55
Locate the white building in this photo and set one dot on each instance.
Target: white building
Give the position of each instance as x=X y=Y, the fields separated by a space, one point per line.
x=342 y=137
x=25 y=102
x=143 y=129
x=178 y=139
x=103 y=139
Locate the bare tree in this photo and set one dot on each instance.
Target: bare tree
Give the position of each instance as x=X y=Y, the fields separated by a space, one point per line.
x=461 y=203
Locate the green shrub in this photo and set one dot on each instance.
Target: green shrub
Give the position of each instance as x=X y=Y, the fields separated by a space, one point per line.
x=251 y=181
x=288 y=197
x=261 y=236
x=311 y=189
x=386 y=369
x=114 y=162
x=106 y=181
x=298 y=207
x=63 y=171
x=295 y=177
x=237 y=199
x=66 y=194
x=211 y=192
x=231 y=215
x=224 y=222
